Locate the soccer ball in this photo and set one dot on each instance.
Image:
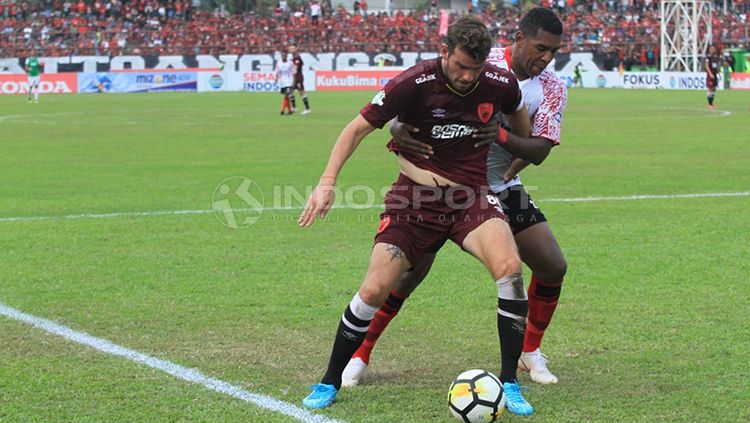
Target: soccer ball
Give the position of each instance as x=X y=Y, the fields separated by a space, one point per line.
x=476 y=396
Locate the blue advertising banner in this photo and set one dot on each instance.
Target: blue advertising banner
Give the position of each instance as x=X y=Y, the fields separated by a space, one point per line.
x=133 y=82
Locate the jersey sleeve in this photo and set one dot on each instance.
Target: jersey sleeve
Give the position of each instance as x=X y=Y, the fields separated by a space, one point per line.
x=395 y=98
x=548 y=118
x=512 y=95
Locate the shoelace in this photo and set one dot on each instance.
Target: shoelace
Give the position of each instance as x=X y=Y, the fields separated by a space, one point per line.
x=540 y=357
x=319 y=387
x=515 y=391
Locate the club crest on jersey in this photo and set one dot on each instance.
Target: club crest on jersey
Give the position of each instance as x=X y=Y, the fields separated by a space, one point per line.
x=484 y=111
x=438 y=113
x=384 y=224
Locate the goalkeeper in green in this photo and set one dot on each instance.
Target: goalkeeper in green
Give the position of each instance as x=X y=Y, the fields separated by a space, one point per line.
x=32 y=70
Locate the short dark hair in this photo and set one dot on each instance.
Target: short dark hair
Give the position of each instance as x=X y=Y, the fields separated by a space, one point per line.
x=540 y=18
x=471 y=35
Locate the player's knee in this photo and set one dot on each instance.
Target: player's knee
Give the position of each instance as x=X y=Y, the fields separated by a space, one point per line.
x=506 y=266
x=375 y=290
x=408 y=281
x=553 y=272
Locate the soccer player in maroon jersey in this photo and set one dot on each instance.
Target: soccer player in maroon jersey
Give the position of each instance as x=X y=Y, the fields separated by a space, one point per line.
x=299 y=81
x=436 y=199
x=545 y=96
x=711 y=66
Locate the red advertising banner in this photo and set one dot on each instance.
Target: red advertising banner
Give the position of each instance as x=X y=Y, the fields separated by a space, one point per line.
x=367 y=80
x=51 y=83
x=740 y=81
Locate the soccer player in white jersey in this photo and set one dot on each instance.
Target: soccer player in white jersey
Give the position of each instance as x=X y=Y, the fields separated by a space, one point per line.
x=285 y=79
x=545 y=96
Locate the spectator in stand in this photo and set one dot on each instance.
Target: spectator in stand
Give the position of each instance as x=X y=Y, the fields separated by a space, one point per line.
x=314 y=12
x=154 y=26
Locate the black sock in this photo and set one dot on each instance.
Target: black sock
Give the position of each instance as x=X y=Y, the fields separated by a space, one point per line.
x=293 y=100
x=346 y=343
x=511 y=327
x=711 y=99
x=307 y=104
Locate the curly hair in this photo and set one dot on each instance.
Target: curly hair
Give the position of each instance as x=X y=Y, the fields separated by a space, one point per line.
x=471 y=36
x=540 y=18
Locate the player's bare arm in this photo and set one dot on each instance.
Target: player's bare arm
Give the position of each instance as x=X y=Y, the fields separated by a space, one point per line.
x=535 y=150
x=516 y=166
x=322 y=197
x=401 y=133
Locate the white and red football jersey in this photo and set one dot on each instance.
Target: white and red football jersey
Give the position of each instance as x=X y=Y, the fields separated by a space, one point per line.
x=285 y=73
x=545 y=97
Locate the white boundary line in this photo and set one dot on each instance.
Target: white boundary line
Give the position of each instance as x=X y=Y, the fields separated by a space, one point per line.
x=180 y=372
x=357 y=207
x=648 y=197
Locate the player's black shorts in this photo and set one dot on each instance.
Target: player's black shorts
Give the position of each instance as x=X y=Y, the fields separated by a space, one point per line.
x=286 y=90
x=520 y=208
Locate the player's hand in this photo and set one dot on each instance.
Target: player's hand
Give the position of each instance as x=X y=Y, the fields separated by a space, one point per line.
x=401 y=133
x=486 y=134
x=318 y=204
x=516 y=166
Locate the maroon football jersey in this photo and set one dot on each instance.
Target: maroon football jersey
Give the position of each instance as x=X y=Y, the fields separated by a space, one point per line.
x=297 y=60
x=421 y=97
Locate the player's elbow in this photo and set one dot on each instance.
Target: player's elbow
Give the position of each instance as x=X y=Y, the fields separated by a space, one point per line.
x=539 y=156
x=542 y=150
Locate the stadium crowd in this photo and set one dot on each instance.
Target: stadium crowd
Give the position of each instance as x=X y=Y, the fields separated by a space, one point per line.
x=628 y=30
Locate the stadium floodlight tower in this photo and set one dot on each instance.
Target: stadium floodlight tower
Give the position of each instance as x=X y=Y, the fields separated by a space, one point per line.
x=685 y=34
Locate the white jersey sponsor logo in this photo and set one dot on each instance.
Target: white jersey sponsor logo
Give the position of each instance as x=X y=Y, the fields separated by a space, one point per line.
x=496 y=77
x=378 y=99
x=453 y=130
x=424 y=78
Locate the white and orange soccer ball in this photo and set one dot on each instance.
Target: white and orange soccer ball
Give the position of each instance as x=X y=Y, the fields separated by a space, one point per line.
x=476 y=396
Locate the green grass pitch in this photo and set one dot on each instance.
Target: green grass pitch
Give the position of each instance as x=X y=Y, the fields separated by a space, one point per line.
x=653 y=324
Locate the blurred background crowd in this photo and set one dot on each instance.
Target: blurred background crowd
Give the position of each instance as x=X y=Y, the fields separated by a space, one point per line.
x=624 y=31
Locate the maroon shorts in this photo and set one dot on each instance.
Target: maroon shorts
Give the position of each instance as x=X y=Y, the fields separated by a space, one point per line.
x=712 y=82
x=419 y=219
x=299 y=84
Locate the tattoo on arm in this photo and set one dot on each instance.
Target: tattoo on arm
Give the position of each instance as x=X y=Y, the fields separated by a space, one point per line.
x=395 y=252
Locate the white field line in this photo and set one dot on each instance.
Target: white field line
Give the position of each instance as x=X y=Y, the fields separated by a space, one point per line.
x=356 y=207
x=180 y=372
x=647 y=197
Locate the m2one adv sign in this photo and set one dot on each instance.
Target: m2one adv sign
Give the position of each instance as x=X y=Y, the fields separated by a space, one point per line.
x=50 y=84
x=124 y=82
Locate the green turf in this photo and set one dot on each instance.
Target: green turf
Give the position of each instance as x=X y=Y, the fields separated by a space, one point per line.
x=653 y=324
